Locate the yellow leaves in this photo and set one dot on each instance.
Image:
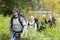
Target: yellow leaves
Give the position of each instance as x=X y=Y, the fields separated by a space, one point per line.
x=56 y=6
x=52 y=5
x=56 y=1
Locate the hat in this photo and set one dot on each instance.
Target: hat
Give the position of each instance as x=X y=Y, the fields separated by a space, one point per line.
x=15 y=10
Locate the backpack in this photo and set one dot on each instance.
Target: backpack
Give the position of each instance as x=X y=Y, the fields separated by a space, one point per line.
x=22 y=15
x=19 y=20
x=37 y=22
x=53 y=18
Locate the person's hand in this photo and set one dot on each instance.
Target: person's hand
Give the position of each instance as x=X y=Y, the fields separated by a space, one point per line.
x=21 y=35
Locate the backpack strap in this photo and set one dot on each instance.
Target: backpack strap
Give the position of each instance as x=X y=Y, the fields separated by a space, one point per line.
x=11 y=22
x=28 y=24
x=34 y=24
x=31 y=25
x=20 y=21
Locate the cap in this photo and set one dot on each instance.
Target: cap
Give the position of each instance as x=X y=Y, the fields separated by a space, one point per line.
x=15 y=10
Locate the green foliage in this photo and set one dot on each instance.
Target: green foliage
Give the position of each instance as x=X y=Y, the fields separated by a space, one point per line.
x=25 y=5
x=48 y=34
x=4 y=31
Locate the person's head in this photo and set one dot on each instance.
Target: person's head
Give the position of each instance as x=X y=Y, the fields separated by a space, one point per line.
x=15 y=12
x=43 y=19
x=31 y=18
x=50 y=17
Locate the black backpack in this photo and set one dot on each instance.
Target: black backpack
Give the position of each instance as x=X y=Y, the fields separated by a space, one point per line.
x=37 y=22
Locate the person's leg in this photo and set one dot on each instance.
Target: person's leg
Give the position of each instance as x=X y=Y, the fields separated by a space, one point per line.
x=13 y=37
x=19 y=38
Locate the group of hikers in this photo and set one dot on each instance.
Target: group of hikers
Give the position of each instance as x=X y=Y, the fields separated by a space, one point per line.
x=19 y=25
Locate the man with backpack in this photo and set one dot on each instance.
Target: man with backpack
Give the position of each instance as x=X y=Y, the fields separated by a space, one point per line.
x=18 y=25
x=43 y=24
x=52 y=21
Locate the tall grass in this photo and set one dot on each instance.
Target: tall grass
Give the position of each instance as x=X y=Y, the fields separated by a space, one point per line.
x=48 y=34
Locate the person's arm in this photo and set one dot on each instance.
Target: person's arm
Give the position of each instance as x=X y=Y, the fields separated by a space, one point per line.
x=10 y=28
x=35 y=26
x=25 y=26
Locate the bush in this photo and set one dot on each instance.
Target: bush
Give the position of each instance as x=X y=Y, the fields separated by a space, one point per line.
x=48 y=34
x=4 y=31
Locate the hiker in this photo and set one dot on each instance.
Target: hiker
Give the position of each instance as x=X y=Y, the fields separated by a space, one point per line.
x=31 y=23
x=18 y=25
x=54 y=20
x=50 y=21
x=43 y=24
